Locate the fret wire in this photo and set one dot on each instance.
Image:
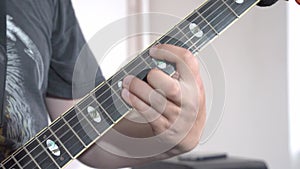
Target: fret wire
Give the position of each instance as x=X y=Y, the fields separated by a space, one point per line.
x=211 y=13
x=199 y=47
x=240 y=7
x=176 y=28
x=77 y=108
x=204 y=27
x=189 y=17
x=47 y=153
x=145 y=61
x=105 y=117
x=80 y=111
x=63 y=134
x=83 y=127
x=16 y=161
x=84 y=117
x=10 y=162
x=118 y=95
x=105 y=111
x=95 y=101
x=184 y=35
x=27 y=151
x=198 y=23
x=114 y=83
x=57 y=139
x=73 y=132
x=231 y=9
x=79 y=122
x=69 y=129
x=224 y=17
x=217 y=24
x=27 y=155
x=41 y=143
x=204 y=19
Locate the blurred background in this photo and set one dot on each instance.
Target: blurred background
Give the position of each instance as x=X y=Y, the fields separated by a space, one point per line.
x=259 y=58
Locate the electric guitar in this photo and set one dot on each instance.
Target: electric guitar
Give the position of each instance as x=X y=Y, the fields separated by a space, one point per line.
x=78 y=128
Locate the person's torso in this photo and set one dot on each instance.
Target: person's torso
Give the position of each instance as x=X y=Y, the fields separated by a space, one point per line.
x=29 y=29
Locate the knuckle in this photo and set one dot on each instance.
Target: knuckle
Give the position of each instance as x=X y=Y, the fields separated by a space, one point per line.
x=174 y=90
x=187 y=55
x=175 y=111
x=134 y=101
x=159 y=101
x=152 y=73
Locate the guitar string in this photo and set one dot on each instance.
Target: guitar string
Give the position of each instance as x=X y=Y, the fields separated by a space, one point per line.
x=185 y=43
x=181 y=37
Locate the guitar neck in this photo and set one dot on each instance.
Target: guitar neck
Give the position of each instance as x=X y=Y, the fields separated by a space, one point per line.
x=78 y=128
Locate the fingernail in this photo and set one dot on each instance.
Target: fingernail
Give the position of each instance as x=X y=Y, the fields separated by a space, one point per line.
x=127 y=80
x=125 y=94
x=153 y=49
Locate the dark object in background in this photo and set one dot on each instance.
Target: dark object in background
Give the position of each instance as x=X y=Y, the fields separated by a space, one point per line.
x=222 y=163
x=267 y=2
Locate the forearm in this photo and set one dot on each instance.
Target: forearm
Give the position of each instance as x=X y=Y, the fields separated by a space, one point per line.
x=104 y=153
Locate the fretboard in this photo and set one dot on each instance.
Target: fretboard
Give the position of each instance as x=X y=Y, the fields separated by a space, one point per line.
x=78 y=128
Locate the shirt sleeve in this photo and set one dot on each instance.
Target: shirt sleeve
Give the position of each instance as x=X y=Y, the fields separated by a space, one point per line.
x=73 y=69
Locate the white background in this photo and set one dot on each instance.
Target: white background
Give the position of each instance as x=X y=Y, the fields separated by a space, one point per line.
x=261 y=119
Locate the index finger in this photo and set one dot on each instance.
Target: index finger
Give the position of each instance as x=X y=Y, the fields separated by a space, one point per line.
x=186 y=63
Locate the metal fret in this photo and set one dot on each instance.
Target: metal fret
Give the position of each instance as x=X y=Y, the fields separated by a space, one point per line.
x=136 y=66
x=231 y=9
x=30 y=160
x=95 y=115
x=40 y=156
x=209 y=25
x=116 y=81
x=240 y=8
x=147 y=58
x=104 y=96
x=67 y=137
x=208 y=31
x=217 y=14
x=11 y=163
x=74 y=132
x=61 y=144
x=49 y=155
x=16 y=162
x=53 y=145
x=81 y=126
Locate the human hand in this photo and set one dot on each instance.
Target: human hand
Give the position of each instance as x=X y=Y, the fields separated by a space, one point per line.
x=174 y=106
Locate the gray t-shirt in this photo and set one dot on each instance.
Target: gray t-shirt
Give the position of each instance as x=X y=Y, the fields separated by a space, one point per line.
x=43 y=44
